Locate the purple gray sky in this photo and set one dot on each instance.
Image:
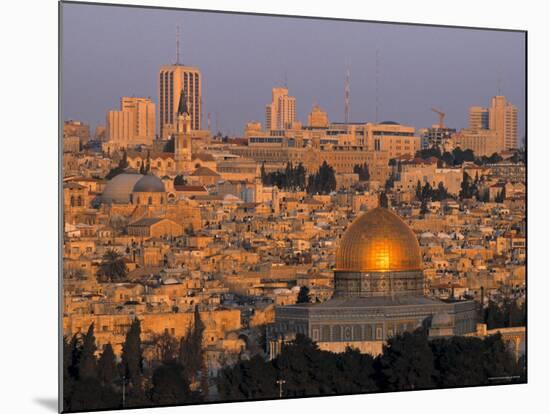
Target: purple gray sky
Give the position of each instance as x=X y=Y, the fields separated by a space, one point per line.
x=109 y=52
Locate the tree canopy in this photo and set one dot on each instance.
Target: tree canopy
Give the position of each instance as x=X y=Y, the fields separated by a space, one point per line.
x=112 y=267
x=292 y=178
x=323 y=181
x=303 y=295
x=409 y=361
x=363 y=171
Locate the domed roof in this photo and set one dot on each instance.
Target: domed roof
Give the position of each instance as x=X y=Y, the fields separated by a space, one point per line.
x=378 y=241
x=149 y=184
x=119 y=188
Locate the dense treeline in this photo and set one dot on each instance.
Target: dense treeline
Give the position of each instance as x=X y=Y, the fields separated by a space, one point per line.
x=409 y=361
x=427 y=192
x=93 y=383
x=363 y=171
x=323 y=181
x=458 y=156
x=506 y=314
x=472 y=188
x=292 y=178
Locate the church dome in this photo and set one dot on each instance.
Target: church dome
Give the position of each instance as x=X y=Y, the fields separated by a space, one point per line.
x=119 y=188
x=149 y=184
x=378 y=241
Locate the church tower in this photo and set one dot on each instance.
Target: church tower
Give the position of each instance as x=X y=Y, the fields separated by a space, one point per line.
x=182 y=139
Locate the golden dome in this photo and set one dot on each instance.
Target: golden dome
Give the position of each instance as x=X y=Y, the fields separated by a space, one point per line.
x=378 y=241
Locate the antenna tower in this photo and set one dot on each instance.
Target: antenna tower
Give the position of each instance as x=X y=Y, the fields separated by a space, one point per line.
x=377 y=86
x=346 y=97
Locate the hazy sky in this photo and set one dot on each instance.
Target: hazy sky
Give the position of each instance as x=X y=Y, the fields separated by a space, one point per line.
x=109 y=52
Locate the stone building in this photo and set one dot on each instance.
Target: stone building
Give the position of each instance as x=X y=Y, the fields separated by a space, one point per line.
x=155 y=227
x=133 y=124
x=378 y=292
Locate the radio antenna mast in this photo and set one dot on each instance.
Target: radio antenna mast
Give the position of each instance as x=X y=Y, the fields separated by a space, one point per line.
x=346 y=97
x=178 y=44
x=377 y=86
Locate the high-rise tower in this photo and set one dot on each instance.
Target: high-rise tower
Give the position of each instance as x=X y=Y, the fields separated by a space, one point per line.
x=133 y=124
x=172 y=79
x=503 y=118
x=281 y=112
x=479 y=118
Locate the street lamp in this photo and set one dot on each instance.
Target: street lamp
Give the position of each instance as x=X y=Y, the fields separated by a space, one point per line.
x=280 y=382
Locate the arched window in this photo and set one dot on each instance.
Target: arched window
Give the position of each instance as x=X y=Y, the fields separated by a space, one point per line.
x=150 y=200
x=79 y=201
x=72 y=201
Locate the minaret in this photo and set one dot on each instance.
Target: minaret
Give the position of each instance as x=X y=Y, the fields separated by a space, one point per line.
x=182 y=144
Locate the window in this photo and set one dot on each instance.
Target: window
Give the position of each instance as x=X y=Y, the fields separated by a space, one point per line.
x=316 y=334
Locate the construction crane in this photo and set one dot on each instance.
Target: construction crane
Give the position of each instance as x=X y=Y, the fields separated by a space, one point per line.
x=441 y=117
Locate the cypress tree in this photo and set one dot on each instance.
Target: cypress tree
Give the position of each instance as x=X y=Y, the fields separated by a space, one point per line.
x=197 y=338
x=190 y=352
x=132 y=359
x=263 y=174
x=106 y=366
x=465 y=186
x=419 y=191
x=303 y=295
x=88 y=364
x=68 y=379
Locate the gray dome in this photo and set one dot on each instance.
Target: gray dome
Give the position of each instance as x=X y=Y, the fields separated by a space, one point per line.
x=149 y=184
x=119 y=188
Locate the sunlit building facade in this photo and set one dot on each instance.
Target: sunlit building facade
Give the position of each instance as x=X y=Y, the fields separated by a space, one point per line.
x=133 y=124
x=172 y=79
x=396 y=139
x=281 y=112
